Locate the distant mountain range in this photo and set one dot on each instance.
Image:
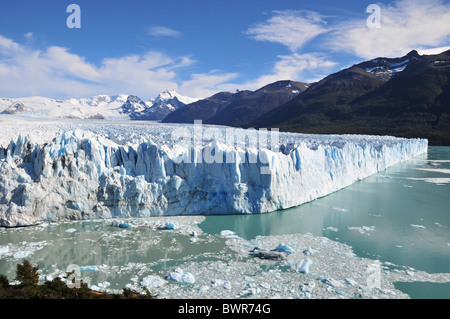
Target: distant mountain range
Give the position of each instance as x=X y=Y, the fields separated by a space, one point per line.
x=239 y=108
x=406 y=96
x=124 y=107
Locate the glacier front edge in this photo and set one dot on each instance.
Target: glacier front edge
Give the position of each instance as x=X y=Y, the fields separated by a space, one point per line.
x=85 y=173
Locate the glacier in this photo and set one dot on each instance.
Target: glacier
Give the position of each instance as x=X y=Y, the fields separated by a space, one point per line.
x=60 y=171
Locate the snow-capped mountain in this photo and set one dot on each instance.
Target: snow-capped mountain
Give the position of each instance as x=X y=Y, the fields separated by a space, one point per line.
x=119 y=107
x=237 y=108
x=100 y=106
x=172 y=100
x=158 y=108
x=386 y=68
x=15 y=108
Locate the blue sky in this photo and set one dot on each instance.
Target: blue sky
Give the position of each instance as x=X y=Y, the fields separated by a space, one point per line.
x=200 y=47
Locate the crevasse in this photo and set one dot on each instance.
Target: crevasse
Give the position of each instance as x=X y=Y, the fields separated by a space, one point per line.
x=82 y=175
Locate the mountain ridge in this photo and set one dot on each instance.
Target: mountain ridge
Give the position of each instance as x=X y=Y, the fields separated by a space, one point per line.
x=413 y=102
x=238 y=108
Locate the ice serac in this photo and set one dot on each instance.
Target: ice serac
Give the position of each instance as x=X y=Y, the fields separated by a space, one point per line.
x=82 y=175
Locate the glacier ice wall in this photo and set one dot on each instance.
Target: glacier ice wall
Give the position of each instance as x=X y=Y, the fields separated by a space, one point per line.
x=83 y=175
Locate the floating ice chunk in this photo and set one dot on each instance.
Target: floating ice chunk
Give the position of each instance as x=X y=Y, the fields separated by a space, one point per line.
x=228 y=234
x=418 y=226
x=333 y=282
x=308 y=287
x=437 y=170
x=88 y=268
x=363 y=229
x=71 y=230
x=21 y=254
x=304 y=266
x=351 y=282
x=4 y=250
x=37 y=244
x=265 y=285
x=101 y=286
x=284 y=248
x=310 y=252
x=169 y=226
x=203 y=289
x=120 y=224
x=435 y=180
x=387 y=292
x=339 y=209
x=153 y=281
x=251 y=291
x=222 y=283
x=182 y=277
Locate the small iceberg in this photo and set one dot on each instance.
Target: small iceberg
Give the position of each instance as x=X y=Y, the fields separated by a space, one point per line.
x=182 y=277
x=304 y=266
x=4 y=250
x=88 y=268
x=120 y=224
x=228 y=234
x=168 y=226
x=21 y=254
x=153 y=281
x=222 y=283
x=284 y=249
x=310 y=252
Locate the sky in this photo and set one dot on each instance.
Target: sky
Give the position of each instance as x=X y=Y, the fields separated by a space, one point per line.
x=199 y=47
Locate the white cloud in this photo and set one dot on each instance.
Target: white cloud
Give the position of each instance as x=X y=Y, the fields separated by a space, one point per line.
x=405 y=25
x=56 y=72
x=161 y=31
x=290 y=28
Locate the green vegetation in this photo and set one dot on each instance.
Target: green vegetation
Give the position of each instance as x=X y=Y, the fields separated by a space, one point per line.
x=29 y=288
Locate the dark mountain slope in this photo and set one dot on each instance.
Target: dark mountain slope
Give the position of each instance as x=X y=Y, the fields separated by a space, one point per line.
x=245 y=110
x=412 y=102
x=204 y=109
x=240 y=108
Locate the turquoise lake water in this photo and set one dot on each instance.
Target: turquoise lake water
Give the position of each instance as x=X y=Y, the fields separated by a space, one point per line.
x=401 y=215
x=406 y=211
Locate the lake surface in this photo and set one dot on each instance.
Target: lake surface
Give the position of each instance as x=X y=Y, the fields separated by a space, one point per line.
x=401 y=216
